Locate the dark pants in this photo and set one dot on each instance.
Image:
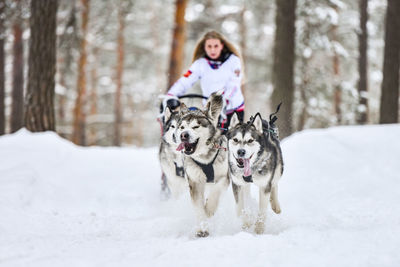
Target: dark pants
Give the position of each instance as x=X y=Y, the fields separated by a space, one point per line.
x=225 y=124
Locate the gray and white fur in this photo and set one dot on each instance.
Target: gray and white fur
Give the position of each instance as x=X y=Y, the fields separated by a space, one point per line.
x=255 y=157
x=205 y=163
x=171 y=160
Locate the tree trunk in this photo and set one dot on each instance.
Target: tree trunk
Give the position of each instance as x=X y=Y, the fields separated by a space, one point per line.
x=63 y=97
x=337 y=90
x=362 y=110
x=178 y=42
x=17 y=106
x=39 y=112
x=337 y=94
x=93 y=97
x=2 y=73
x=283 y=69
x=120 y=69
x=78 y=135
x=305 y=59
x=389 y=105
x=66 y=44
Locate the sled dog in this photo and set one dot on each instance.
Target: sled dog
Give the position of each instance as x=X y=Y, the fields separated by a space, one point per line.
x=171 y=160
x=255 y=157
x=205 y=160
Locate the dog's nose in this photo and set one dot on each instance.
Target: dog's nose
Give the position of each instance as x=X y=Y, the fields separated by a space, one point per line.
x=241 y=152
x=184 y=136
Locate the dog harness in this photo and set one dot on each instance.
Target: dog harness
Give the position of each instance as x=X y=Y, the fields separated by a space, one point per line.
x=208 y=169
x=179 y=171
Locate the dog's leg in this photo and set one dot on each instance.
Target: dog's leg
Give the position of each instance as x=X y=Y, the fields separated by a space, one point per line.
x=264 y=195
x=274 y=200
x=237 y=193
x=244 y=209
x=214 y=196
x=165 y=189
x=241 y=194
x=197 y=196
x=177 y=186
x=274 y=190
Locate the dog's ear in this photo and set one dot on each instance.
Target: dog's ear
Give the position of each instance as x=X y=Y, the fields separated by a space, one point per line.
x=177 y=109
x=258 y=123
x=183 y=109
x=214 y=106
x=234 y=120
x=167 y=114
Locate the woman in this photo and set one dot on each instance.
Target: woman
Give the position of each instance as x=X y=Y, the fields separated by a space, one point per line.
x=216 y=63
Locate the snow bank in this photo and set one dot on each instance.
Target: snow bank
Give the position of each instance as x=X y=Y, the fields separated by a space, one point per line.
x=64 y=205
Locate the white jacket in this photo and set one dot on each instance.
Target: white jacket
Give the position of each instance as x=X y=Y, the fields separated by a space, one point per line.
x=228 y=77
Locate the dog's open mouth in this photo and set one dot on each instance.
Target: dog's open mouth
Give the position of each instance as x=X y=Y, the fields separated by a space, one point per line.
x=240 y=162
x=189 y=148
x=244 y=163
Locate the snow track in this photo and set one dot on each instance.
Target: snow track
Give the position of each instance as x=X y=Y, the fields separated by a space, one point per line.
x=63 y=205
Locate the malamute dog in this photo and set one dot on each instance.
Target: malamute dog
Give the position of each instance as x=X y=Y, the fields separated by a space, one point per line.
x=255 y=157
x=171 y=160
x=205 y=160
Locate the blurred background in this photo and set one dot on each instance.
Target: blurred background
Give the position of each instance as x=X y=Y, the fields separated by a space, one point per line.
x=323 y=58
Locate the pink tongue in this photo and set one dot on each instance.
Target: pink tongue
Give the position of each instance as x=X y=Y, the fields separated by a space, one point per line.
x=180 y=147
x=247 y=169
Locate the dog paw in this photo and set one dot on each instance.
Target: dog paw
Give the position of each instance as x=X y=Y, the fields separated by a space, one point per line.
x=259 y=229
x=209 y=209
x=202 y=233
x=275 y=205
x=247 y=218
x=246 y=225
x=209 y=213
x=276 y=208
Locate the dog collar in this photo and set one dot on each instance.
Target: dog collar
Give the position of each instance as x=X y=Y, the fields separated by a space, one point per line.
x=215 y=145
x=248 y=179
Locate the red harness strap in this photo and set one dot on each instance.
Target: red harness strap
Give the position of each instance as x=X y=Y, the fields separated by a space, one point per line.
x=161 y=126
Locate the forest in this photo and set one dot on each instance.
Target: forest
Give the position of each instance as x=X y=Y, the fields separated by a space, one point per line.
x=93 y=70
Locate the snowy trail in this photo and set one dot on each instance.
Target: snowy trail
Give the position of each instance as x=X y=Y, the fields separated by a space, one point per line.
x=62 y=205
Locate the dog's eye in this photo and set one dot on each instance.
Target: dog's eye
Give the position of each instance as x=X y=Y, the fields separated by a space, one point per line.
x=235 y=140
x=195 y=127
x=182 y=127
x=250 y=141
x=172 y=126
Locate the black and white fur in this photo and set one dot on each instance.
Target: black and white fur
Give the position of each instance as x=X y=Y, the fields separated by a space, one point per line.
x=171 y=160
x=255 y=157
x=200 y=141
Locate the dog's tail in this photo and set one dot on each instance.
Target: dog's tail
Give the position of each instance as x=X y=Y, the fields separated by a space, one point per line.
x=273 y=117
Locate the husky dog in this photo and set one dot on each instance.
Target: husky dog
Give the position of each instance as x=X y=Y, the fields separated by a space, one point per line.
x=205 y=160
x=171 y=160
x=255 y=157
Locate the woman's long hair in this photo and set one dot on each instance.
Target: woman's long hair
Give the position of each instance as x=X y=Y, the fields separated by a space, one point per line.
x=199 y=50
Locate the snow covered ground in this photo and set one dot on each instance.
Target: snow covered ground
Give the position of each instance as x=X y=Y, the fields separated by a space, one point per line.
x=63 y=205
